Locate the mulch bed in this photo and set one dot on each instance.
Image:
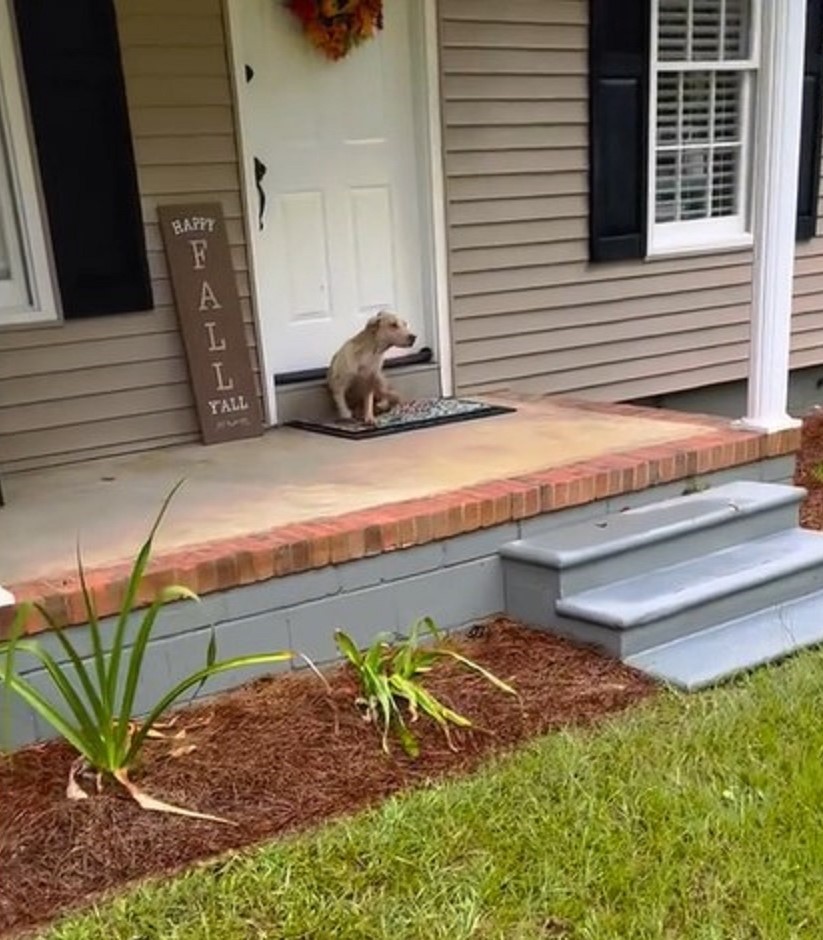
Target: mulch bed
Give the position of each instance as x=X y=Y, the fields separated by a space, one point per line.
x=810 y=470
x=277 y=756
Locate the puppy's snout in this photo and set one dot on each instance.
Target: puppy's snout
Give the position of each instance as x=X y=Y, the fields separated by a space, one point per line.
x=412 y=339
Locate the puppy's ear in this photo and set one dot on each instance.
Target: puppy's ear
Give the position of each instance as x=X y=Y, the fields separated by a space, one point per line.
x=373 y=325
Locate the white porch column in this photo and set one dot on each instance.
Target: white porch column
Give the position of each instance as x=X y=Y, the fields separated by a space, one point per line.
x=774 y=204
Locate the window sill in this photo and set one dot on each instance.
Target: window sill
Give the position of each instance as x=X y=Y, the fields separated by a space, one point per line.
x=29 y=320
x=727 y=246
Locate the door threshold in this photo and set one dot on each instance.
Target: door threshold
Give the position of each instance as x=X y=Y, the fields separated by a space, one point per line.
x=423 y=357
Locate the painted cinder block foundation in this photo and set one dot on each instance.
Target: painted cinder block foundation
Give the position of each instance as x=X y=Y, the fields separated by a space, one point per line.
x=456 y=580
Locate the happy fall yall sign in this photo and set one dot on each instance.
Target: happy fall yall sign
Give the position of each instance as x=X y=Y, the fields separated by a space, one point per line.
x=211 y=321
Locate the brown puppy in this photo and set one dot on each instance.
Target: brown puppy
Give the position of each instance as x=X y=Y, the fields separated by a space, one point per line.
x=355 y=377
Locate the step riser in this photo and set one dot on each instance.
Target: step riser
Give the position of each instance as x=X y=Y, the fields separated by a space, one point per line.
x=738 y=646
x=530 y=598
x=711 y=614
x=676 y=549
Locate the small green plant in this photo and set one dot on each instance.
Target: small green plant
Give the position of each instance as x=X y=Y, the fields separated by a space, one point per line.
x=389 y=674
x=97 y=714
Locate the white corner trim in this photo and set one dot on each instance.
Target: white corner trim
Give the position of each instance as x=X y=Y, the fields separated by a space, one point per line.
x=777 y=162
x=6 y=598
x=248 y=195
x=437 y=189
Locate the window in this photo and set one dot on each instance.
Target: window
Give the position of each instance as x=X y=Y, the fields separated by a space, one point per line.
x=26 y=294
x=704 y=56
x=671 y=94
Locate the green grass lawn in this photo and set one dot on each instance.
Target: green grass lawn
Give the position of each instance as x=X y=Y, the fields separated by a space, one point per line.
x=694 y=817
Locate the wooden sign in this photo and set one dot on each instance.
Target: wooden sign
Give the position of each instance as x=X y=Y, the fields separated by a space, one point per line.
x=211 y=321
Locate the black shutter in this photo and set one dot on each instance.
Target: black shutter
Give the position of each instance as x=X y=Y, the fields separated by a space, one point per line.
x=618 y=127
x=71 y=59
x=812 y=127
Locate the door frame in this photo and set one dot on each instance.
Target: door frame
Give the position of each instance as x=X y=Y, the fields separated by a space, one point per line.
x=429 y=109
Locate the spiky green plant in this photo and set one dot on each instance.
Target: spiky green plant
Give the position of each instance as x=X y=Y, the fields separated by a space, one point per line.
x=98 y=696
x=390 y=674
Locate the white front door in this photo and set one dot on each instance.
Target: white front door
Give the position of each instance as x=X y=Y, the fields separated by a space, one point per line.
x=338 y=218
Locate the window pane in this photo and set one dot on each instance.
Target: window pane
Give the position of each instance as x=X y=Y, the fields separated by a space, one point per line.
x=668 y=108
x=673 y=30
x=665 y=209
x=727 y=103
x=706 y=30
x=694 y=185
x=697 y=102
x=703 y=30
x=725 y=169
x=13 y=282
x=736 y=30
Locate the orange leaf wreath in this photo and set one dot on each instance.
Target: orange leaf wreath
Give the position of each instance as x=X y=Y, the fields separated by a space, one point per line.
x=336 y=26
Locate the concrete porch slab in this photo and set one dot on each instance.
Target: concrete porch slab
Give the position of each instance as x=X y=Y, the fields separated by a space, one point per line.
x=293 y=501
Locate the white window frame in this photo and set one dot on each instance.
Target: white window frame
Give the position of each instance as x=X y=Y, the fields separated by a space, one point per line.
x=36 y=300
x=725 y=232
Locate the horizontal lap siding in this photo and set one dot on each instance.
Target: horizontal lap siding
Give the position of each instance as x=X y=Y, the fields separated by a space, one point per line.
x=116 y=384
x=529 y=312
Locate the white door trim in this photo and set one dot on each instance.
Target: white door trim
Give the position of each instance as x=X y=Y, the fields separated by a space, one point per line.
x=434 y=177
x=248 y=195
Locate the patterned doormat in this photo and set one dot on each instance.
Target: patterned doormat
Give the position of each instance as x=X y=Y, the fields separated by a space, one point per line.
x=409 y=416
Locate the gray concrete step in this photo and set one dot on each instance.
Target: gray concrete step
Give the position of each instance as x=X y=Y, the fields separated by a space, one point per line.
x=667 y=603
x=597 y=552
x=705 y=658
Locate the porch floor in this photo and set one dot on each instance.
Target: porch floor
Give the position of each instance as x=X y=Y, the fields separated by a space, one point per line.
x=289 y=477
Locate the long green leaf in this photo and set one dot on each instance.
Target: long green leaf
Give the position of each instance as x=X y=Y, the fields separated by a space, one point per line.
x=346 y=645
x=107 y=711
x=504 y=687
x=388 y=707
x=431 y=627
x=407 y=740
x=440 y=712
x=378 y=651
x=95 y=735
x=137 y=572
x=43 y=707
x=137 y=655
x=239 y=662
x=211 y=659
x=83 y=675
x=9 y=647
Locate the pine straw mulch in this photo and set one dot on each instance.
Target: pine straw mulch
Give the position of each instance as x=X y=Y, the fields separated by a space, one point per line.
x=810 y=470
x=279 y=755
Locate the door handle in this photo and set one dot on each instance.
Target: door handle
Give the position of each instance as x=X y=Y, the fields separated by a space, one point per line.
x=260 y=170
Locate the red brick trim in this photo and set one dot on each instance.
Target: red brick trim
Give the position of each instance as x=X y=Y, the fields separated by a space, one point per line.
x=228 y=563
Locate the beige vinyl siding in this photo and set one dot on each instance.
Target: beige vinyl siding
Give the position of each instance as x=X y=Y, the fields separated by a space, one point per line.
x=111 y=385
x=529 y=312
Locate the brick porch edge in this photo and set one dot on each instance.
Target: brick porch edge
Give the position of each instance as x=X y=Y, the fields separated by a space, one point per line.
x=228 y=563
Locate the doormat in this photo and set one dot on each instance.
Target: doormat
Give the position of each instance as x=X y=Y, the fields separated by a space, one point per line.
x=409 y=416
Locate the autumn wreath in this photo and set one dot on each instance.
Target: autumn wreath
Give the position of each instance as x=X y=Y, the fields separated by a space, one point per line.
x=336 y=26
